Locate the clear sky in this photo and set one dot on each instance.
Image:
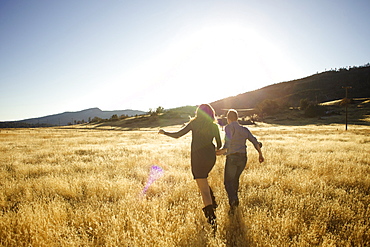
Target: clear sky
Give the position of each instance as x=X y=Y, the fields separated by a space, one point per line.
x=69 y=55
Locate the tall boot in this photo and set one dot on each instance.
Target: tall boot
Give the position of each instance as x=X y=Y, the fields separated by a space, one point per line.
x=211 y=217
x=214 y=203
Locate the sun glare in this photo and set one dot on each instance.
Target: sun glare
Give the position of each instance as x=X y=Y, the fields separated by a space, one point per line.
x=230 y=58
x=211 y=63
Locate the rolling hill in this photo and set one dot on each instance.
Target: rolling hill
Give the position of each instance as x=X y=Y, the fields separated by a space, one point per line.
x=322 y=87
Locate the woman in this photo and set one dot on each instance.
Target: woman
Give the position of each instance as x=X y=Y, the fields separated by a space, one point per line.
x=203 y=153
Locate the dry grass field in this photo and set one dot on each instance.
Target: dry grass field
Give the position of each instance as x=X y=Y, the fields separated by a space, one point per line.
x=76 y=187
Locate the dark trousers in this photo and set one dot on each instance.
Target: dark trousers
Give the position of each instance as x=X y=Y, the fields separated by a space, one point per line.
x=235 y=164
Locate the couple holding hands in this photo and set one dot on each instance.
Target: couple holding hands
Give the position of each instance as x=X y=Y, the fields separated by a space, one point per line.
x=203 y=154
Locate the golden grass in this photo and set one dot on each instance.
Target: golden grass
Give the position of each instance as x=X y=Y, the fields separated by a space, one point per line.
x=82 y=188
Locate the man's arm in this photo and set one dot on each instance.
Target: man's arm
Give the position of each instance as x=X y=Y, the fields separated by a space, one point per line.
x=257 y=145
x=258 y=148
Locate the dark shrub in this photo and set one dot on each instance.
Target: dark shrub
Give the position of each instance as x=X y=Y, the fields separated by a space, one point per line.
x=314 y=110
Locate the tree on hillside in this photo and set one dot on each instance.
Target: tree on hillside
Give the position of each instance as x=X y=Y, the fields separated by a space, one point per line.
x=123 y=116
x=96 y=119
x=268 y=107
x=314 y=110
x=159 y=109
x=114 y=117
x=303 y=104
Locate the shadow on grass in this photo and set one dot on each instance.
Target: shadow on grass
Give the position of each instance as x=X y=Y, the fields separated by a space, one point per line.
x=236 y=230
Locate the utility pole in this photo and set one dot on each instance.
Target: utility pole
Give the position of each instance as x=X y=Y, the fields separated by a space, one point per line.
x=346 y=103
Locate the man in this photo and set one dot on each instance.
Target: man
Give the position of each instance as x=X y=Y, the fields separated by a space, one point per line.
x=236 y=155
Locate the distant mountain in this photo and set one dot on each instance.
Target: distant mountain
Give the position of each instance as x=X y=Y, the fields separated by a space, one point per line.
x=326 y=86
x=66 y=118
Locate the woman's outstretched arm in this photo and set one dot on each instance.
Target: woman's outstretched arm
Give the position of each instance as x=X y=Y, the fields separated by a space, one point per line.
x=176 y=134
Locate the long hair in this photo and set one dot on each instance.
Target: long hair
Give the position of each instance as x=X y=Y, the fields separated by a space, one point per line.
x=205 y=116
x=205 y=113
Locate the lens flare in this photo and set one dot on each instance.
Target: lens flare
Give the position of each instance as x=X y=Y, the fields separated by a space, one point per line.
x=155 y=173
